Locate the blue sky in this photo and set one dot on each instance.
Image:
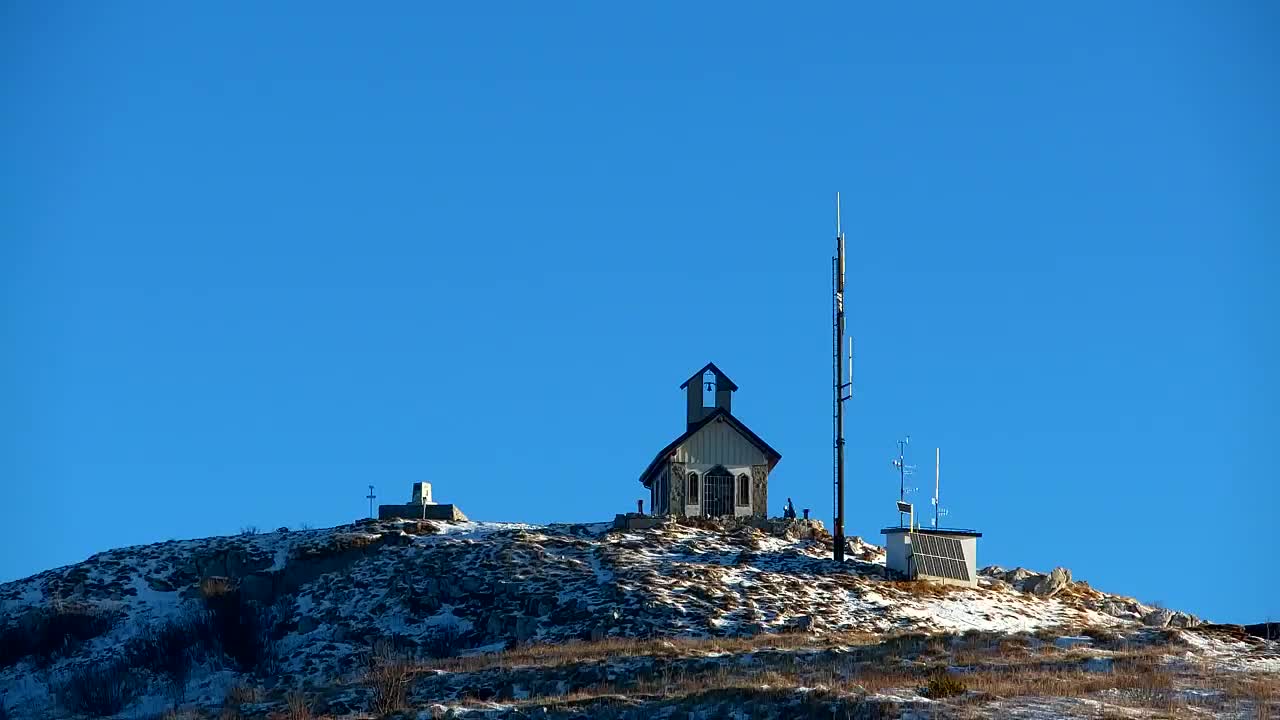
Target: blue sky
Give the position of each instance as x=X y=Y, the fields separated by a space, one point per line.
x=258 y=256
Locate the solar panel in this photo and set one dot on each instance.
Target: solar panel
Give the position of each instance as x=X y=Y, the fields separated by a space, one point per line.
x=938 y=556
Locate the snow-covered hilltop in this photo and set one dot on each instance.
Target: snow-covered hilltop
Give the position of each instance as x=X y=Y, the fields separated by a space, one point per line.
x=243 y=621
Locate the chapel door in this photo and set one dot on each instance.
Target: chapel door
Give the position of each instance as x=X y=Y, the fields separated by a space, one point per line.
x=717 y=492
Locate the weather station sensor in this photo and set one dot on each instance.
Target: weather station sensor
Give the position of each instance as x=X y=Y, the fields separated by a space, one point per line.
x=938 y=554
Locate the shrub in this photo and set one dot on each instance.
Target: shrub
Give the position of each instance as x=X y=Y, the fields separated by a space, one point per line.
x=47 y=633
x=228 y=626
x=215 y=586
x=170 y=649
x=244 y=630
x=240 y=693
x=98 y=690
x=1102 y=635
x=944 y=685
x=388 y=677
x=298 y=707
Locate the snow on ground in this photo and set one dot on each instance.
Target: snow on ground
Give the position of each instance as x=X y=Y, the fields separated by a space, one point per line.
x=482 y=586
x=472 y=530
x=1233 y=655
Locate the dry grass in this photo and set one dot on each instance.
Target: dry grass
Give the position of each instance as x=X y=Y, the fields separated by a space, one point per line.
x=241 y=693
x=997 y=667
x=926 y=588
x=549 y=655
x=944 y=685
x=297 y=706
x=1149 y=684
x=1260 y=690
x=1151 y=689
x=216 y=587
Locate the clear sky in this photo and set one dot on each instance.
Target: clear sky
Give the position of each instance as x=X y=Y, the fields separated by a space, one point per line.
x=257 y=256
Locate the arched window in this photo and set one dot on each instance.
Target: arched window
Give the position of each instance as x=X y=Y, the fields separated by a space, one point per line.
x=744 y=489
x=693 y=489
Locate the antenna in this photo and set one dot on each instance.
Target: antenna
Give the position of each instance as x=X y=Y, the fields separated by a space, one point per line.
x=904 y=470
x=371 y=496
x=851 y=365
x=937 y=482
x=839 y=388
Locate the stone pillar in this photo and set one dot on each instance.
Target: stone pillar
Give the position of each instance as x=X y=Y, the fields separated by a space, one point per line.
x=421 y=494
x=677 y=485
x=760 y=491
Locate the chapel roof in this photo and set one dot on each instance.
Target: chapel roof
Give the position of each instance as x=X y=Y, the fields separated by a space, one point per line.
x=773 y=456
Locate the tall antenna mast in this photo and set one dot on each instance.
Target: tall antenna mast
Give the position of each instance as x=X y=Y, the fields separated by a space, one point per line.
x=371 y=496
x=838 y=385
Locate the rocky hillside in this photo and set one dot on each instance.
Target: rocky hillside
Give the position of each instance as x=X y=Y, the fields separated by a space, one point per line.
x=498 y=620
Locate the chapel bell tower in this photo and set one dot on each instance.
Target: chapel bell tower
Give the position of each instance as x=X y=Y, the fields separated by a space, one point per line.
x=700 y=386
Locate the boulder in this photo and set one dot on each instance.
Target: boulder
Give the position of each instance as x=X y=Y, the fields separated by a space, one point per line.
x=800 y=622
x=1113 y=608
x=1053 y=583
x=494 y=626
x=526 y=628
x=1164 y=618
x=160 y=584
x=1021 y=578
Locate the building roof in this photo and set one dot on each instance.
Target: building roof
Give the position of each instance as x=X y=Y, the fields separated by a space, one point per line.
x=773 y=456
x=932 y=531
x=721 y=378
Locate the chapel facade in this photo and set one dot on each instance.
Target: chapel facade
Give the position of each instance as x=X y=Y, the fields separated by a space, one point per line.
x=718 y=467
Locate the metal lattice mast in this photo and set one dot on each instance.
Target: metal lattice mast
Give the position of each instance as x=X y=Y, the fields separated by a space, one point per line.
x=838 y=388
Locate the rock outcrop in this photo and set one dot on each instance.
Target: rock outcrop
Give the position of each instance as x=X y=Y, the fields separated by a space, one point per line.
x=1053 y=583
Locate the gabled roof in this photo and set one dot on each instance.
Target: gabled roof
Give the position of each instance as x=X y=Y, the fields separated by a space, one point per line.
x=773 y=456
x=720 y=377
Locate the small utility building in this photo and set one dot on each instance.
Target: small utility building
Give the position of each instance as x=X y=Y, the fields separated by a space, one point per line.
x=718 y=466
x=949 y=556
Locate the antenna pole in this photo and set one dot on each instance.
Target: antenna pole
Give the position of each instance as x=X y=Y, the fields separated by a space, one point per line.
x=902 y=473
x=837 y=282
x=371 y=496
x=937 y=481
